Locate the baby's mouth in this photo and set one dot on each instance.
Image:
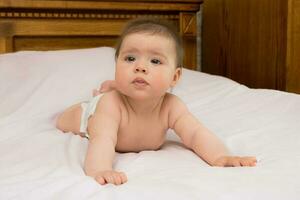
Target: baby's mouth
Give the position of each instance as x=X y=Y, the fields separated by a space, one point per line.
x=140 y=82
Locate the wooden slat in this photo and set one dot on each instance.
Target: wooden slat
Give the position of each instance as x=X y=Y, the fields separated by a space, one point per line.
x=103 y=5
x=61 y=42
x=33 y=27
x=293 y=54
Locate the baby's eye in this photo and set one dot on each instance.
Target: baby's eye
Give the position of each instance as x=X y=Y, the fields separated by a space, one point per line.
x=129 y=58
x=156 y=61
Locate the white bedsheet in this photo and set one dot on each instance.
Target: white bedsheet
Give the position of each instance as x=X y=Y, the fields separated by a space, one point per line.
x=39 y=162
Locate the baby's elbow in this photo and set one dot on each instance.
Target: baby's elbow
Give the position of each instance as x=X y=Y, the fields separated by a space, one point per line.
x=194 y=137
x=188 y=141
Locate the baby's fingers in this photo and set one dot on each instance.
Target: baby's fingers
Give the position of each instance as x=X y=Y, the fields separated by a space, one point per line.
x=230 y=161
x=236 y=162
x=109 y=178
x=116 y=178
x=250 y=161
x=123 y=177
x=100 y=180
x=105 y=178
x=119 y=178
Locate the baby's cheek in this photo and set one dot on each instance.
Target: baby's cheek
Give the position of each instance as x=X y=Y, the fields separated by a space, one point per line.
x=120 y=76
x=162 y=85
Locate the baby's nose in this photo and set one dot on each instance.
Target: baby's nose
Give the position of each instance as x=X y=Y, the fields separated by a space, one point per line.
x=141 y=69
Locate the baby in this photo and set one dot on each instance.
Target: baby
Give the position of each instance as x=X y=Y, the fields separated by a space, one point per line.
x=136 y=111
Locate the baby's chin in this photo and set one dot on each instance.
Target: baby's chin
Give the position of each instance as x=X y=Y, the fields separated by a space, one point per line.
x=139 y=96
x=138 y=93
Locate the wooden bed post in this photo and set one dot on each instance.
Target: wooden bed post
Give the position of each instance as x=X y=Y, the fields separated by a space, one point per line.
x=6 y=39
x=6 y=44
x=188 y=31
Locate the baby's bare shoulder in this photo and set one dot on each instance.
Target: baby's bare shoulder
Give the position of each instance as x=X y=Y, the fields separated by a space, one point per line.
x=173 y=102
x=113 y=96
x=109 y=102
x=175 y=108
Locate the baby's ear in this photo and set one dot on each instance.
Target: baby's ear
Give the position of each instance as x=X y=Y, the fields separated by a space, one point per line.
x=176 y=76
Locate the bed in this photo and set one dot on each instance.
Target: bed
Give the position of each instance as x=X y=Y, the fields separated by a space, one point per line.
x=37 y=161
x=67 y=24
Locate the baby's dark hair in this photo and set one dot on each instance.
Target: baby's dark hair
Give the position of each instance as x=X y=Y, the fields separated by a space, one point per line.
x=155 y=27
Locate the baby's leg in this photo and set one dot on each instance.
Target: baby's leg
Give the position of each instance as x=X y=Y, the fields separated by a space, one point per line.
x=69 y=120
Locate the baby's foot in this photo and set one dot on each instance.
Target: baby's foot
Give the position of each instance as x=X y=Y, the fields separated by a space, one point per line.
x=106 y=86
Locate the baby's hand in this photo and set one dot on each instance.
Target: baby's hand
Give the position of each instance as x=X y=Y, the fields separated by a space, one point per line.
x=235 y=161
x=106 y=86
x=110 y=176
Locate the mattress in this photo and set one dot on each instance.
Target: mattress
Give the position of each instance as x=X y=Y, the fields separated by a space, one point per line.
x=37 y=161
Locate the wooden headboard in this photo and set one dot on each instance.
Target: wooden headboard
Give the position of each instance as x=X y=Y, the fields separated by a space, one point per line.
x=69 y=24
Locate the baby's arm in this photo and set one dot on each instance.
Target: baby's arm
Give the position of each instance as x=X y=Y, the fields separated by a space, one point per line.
x=103 y=128
x=197 y=137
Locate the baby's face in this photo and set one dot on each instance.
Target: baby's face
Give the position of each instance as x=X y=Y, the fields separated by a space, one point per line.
x=145 y=67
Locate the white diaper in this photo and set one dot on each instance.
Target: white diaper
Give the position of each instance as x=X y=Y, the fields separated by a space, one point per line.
x=88 y=109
